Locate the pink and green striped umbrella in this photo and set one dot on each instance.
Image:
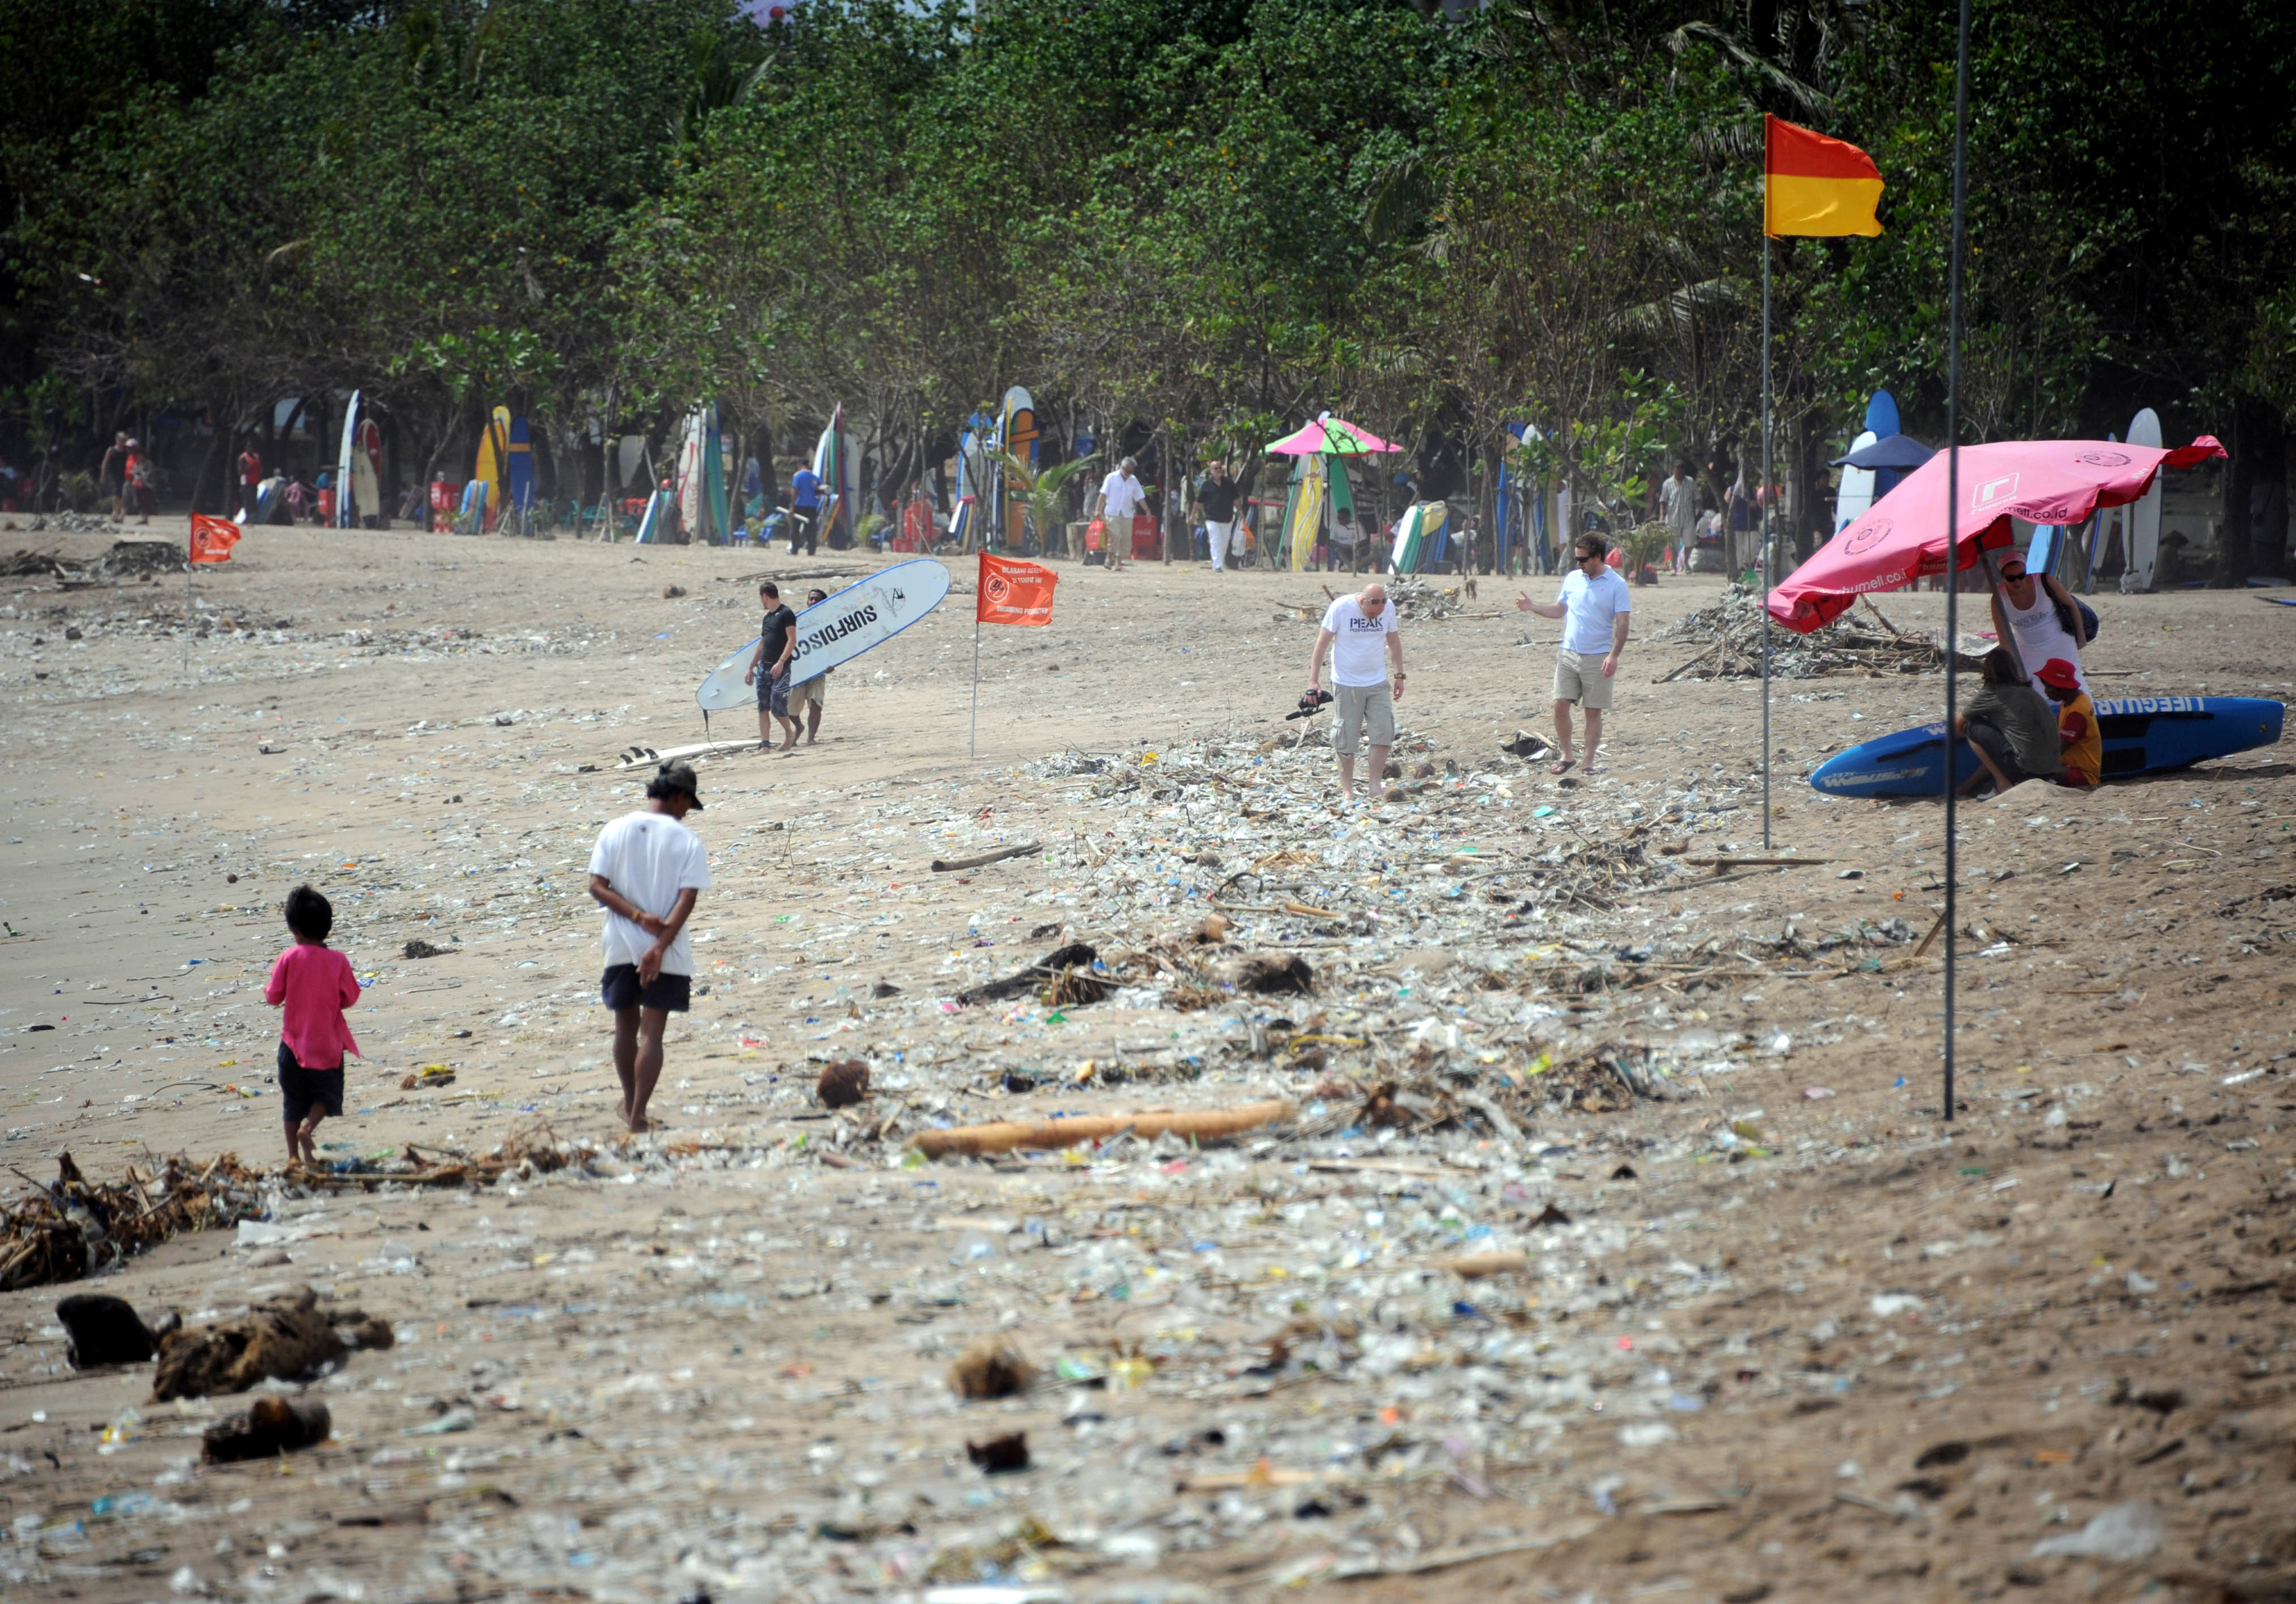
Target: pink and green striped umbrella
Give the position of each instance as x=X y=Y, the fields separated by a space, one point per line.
x=1329 y=436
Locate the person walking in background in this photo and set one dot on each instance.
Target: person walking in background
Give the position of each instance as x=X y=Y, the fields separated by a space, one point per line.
x=113 y=475
x=1363 y=639
x=646 y=872
x=251 y=481
x=805 y=510
x=1595 y=602
x=142 y=480
x=1120 y=498
x=1216 y=505
x=1678 y=500
x=311 y=983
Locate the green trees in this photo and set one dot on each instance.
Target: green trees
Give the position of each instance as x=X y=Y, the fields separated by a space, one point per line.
x=1183 y=212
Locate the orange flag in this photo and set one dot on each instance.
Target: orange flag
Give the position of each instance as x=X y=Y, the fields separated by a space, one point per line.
x=1814 y=185
x=212 y=537
x=1013 y=593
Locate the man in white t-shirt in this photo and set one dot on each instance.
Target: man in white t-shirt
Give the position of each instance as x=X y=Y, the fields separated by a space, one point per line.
x=1360 y=634
x=1121 y=501
x=1595 y=602
x=646 y=872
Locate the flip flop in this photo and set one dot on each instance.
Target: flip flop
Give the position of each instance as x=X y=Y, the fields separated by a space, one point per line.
x=1563 y=767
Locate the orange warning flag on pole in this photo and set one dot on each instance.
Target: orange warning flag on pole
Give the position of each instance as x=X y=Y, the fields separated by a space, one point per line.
x=212 y=537
x=1013 y=593
x=1813 y=186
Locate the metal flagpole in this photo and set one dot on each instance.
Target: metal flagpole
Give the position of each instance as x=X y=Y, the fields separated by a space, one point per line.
x=1767 y=577
x=974 y=751
x=1952 y=520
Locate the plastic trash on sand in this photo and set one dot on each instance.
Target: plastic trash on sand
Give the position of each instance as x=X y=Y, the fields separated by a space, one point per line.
x=2123 y=1533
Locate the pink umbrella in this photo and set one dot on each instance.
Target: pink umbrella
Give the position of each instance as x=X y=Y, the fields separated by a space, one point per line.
x=1329 y=436
x=1902 y=539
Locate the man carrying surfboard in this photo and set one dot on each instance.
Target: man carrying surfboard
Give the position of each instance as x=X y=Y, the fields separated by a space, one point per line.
x=804 y=699
x=769 y=669
x=1596 y=603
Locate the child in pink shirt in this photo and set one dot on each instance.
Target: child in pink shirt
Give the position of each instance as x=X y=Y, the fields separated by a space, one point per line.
x=315 y=984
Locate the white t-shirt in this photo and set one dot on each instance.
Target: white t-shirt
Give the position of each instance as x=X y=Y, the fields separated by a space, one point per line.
x=648 y=858
x=1121 y=494
x=1358 y=643
x=2040 y=634
x=1593 y=604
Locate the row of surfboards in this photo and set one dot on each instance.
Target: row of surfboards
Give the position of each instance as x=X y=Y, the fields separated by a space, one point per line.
x=2140 y=526
x=984 y=487
x=1319 y=499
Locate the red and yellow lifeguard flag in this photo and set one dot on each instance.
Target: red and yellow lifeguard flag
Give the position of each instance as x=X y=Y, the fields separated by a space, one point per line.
x=1815 y=186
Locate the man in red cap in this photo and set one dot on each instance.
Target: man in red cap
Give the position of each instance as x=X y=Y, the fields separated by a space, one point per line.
x=2077 y=726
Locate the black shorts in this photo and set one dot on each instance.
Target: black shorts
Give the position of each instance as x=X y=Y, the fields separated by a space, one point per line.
x=299 y=1088
x=620 y=989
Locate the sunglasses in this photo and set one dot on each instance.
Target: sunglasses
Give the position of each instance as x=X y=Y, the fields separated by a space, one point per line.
x=2016 y=573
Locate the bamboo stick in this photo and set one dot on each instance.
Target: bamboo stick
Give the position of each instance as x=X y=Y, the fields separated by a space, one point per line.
x=1005 y=1135
x=940 y=867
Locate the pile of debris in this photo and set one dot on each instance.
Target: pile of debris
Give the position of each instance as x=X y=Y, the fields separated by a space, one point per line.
x=135 y=558
x=1411 y=597
x=1862 y=642
x=21 y=564
x=528 y=1153
x=71 y=523
x=77 y=1227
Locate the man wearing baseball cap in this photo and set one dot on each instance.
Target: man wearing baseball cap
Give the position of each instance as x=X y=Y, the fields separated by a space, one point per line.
x=2077 y=726
x=646 y=872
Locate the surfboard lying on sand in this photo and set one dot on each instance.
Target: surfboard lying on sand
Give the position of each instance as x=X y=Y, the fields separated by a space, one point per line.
x=867 y=613
x=2143 y=735
x=645 y=757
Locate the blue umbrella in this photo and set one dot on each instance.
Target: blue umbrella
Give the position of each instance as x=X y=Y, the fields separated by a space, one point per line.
x=1899 y=453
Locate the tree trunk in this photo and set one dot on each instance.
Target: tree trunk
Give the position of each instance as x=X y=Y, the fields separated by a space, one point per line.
x=2259 y=445
x=2233 y=564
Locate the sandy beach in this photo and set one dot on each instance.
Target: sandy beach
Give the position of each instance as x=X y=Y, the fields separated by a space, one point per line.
x=1777 y=1332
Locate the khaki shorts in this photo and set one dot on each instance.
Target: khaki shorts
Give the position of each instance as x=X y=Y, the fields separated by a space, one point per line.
x=1578 y=678
x=1355 y=707
x=809 y=694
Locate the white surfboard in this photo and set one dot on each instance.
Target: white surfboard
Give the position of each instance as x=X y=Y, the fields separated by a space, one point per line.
x=1856 y=495
x=831 y=633
x=727 y=687
x=2142 y=544
x=645 y=757
x=344 y=512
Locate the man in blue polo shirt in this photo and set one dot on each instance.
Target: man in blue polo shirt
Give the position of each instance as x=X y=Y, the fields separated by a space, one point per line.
x=1596 y=603
x=805 y=510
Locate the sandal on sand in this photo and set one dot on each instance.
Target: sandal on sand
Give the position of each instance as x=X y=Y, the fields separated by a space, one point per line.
x=1561 y=767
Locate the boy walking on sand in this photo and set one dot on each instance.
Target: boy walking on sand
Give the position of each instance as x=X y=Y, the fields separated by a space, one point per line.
x=646 y=872
x=313 y=984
